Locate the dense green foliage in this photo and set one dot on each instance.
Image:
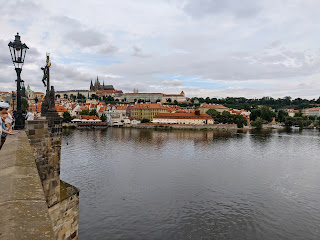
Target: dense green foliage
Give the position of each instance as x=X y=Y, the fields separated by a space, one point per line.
x=257 y=123
x=108 y=99
x=299 y=121
x=85 y=112
x=227 y=118
x=145 y=120
x=281 y=116
x=80 y=96
x=94 y=96
x=264 y=113
x=248 y=104
x=66 y=117
x=103 y=118
x=94 y=112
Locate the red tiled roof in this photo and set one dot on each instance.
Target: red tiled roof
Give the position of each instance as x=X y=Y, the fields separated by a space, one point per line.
x=313 y=109
x=144 y=93
x=89 y=117
x=213 y=106
x=61 y=109
x=173 y=95
x=148 y=106
x=184 y=115
x=109 y=91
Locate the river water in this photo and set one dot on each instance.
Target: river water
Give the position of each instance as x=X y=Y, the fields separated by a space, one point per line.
x=183 y=184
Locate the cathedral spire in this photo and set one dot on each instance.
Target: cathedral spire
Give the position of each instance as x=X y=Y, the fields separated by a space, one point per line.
x=91 y=86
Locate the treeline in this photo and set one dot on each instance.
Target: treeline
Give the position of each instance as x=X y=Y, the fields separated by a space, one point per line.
x=227 y=118
x=264 y=115
x=249 y=104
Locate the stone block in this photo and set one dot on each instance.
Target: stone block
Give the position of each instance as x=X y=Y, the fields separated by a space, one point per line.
x=31 y=132
x=39 y=131
x=39 y=126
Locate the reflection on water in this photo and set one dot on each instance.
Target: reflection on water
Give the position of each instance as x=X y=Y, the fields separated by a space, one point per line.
x=186 y=184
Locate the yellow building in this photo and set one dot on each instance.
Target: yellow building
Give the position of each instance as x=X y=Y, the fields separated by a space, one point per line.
x=147 y=110
x=193 y=118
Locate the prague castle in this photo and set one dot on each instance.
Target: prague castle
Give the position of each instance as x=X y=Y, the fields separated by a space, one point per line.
x=98 y=87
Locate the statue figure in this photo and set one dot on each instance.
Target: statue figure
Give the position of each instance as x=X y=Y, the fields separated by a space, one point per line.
x=51 y=98
x=48 y=104
x=46 y=73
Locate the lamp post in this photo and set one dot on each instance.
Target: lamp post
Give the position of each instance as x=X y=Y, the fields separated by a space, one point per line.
x=36 y=101
x=18 y=53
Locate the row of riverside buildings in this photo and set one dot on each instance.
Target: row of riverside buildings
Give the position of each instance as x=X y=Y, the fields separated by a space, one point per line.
x=128 y=110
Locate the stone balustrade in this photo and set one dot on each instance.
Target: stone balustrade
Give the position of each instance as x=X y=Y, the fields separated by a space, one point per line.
x=24 y=213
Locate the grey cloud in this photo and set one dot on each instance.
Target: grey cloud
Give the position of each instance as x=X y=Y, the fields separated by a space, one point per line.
x=66 y=21
x=86 y=38
x=109 y=50
x=137 y=52
x=260 y=65
x=5 y=57
x=174 y=82
x=275 y=44
x=236 y=8
x=79 y=34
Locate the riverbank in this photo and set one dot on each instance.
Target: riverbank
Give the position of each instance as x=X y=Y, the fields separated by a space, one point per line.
x=181 y=126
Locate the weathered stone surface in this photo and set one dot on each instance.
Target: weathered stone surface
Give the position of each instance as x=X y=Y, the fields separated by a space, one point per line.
x=62 y=198
x=23 y=209
x=46 y=147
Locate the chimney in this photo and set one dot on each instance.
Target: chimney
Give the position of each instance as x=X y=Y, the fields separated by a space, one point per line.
x=197 y=112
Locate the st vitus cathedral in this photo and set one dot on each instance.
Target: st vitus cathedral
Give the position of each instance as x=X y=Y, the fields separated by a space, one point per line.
x=98 y=87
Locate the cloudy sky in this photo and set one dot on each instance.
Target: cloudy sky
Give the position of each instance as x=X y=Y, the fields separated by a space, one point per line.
x=215 y=48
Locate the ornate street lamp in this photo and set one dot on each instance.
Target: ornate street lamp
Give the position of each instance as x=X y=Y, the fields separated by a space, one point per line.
x=18 y=52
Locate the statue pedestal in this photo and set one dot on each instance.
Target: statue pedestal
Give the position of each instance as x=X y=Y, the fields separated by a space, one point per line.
x=48 y=110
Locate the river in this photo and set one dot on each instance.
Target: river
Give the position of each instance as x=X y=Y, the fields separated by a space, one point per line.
x=185 y=184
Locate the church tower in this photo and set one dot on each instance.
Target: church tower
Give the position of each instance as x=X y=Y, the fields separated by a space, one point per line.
x=91 y=86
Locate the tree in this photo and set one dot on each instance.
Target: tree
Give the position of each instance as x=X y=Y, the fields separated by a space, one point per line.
x=240 y=120
x=255 y=113
x=93 y=112
x=109 y=99
x=85 y=112
x=66 y=117
x=281 y=116
x=214 y=114
x=257 y=123
x=289 y=121
x=175 y=102
x=58 y=96
x=145 y=120
x=80 y=96
x=94 y=96
x=169 y=100
x=267 y=114
x=103 y=118
x=299 y=114
x=72 y=96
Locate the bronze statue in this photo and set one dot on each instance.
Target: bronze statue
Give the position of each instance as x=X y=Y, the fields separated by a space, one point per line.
x=46 y=73
x=48 y=104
